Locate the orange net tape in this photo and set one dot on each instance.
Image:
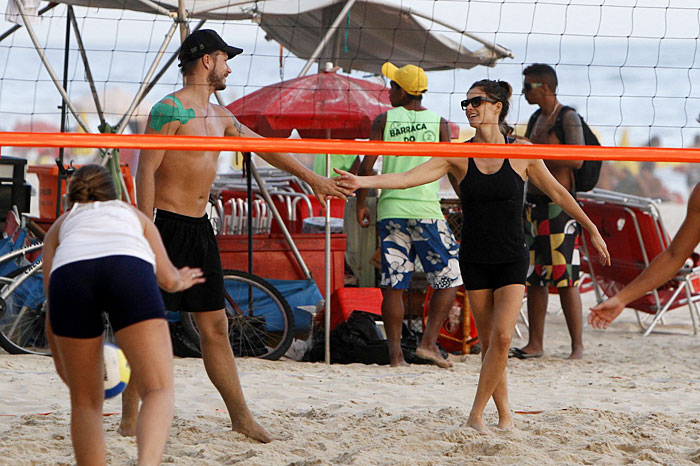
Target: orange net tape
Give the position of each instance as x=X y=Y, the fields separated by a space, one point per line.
x=332 y=146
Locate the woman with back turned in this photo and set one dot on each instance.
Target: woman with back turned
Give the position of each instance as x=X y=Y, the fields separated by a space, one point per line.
x=103 y=255
x=494 y=258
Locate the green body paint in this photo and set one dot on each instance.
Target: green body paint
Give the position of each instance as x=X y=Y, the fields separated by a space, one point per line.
x=163 y=113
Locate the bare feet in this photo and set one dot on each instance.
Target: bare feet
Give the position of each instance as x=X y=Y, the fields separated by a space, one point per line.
x=433 y=356
x=576 y=352
x=253 y=430
x=399 y=363
x=478 y=425
x=127 y=428
x=505 y=421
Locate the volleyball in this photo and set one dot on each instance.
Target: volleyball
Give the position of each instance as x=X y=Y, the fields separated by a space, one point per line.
x=117 y=370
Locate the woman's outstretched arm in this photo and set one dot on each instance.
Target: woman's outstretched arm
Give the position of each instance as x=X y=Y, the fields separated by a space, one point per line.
x=432 y=170
x=542 y=178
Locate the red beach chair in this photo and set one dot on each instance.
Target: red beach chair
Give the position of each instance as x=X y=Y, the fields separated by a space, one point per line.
x=634 y=232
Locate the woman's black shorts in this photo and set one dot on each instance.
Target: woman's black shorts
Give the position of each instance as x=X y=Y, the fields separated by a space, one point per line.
x=493 y=276
x=80 y=292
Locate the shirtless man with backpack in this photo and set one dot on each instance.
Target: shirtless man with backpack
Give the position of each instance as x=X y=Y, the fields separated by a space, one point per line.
x=550 y=233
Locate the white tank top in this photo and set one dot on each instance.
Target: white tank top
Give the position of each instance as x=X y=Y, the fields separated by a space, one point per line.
x=101 y=229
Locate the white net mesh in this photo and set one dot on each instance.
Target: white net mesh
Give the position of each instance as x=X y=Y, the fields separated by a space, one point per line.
x=629 y=67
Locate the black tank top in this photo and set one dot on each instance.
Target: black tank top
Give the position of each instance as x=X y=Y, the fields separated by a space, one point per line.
x=492 y=205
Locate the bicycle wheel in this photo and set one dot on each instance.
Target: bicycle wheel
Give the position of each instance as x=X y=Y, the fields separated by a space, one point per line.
x=23 y=316
x=261 y=323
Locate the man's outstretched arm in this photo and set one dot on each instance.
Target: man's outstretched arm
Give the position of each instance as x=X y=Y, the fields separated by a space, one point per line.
x=661 y=269
x=321 y=186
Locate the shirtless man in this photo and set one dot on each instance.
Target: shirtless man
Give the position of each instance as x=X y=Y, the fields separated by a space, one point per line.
x=550 y=232
x=176 y=185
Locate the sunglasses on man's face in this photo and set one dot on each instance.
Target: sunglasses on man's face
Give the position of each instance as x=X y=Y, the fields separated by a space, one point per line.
x=531 y=86
x=476 y=101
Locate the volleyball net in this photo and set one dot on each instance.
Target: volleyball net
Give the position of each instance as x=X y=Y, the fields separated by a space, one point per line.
x=628 y=67
x=335 y=146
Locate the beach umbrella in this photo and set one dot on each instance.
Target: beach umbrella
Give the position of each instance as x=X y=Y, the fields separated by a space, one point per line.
x=313 y=105
x=323 y=105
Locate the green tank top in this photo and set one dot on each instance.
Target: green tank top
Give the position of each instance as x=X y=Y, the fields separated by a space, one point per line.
x=340 y=161
x=420 y=201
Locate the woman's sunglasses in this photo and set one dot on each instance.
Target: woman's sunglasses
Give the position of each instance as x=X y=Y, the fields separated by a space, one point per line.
x=531 y=86
x=476 y=101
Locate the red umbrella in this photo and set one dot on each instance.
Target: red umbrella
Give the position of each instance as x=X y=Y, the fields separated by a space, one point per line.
x=314 y=104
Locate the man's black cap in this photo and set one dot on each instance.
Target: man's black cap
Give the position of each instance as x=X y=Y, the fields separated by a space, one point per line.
x=202 y=42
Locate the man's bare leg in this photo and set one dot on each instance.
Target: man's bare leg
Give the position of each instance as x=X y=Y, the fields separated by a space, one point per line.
x=392 y=314
x=573 y=313
x=537 y=297
x=221 y=369
x=130 y=409
x=440 y=304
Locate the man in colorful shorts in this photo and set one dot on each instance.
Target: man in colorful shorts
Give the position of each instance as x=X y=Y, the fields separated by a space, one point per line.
x=550 y=232
x=410 y=221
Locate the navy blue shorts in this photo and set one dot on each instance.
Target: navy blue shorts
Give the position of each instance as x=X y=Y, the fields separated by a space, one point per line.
x=191 y=242
x=124 y=287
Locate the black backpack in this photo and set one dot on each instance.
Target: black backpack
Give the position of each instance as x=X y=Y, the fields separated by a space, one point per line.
x=355 y=340
x=586 y=177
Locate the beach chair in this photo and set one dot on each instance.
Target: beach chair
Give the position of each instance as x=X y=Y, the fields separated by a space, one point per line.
x=634 y=232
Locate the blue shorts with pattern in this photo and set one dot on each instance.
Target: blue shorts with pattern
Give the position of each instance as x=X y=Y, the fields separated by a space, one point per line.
x=431 y=240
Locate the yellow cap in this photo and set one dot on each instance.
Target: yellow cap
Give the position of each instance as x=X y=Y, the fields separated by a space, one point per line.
x=411 y=78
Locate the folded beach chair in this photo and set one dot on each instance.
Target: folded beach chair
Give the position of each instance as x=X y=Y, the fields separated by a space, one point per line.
x=634 y=232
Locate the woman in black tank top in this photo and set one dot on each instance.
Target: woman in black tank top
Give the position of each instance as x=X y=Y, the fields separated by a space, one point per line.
x=493 y=255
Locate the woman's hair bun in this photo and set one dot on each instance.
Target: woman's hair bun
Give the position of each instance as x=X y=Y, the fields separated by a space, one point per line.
x=91 y=183
x=507 y=88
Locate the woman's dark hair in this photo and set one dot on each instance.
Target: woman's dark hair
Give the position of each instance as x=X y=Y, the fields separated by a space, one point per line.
x=91 y=183
x=499 y=91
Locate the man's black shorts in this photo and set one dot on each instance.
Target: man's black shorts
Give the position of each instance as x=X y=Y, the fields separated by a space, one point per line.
x=191 y=242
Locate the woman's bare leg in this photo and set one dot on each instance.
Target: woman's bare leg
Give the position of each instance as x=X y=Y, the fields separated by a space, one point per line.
x=80 y=361
x=148 y=349
x=506 y=297
x=498 y=324
x=51 y=339
x=481 y=302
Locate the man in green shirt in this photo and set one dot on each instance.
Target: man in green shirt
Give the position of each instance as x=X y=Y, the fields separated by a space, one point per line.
x=409 y=221
x=348 y=162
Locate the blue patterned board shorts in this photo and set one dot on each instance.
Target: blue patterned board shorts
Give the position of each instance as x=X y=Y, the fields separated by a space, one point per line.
x=432 y=240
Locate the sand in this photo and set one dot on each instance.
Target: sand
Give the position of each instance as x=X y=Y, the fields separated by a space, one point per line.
x=632 y=400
